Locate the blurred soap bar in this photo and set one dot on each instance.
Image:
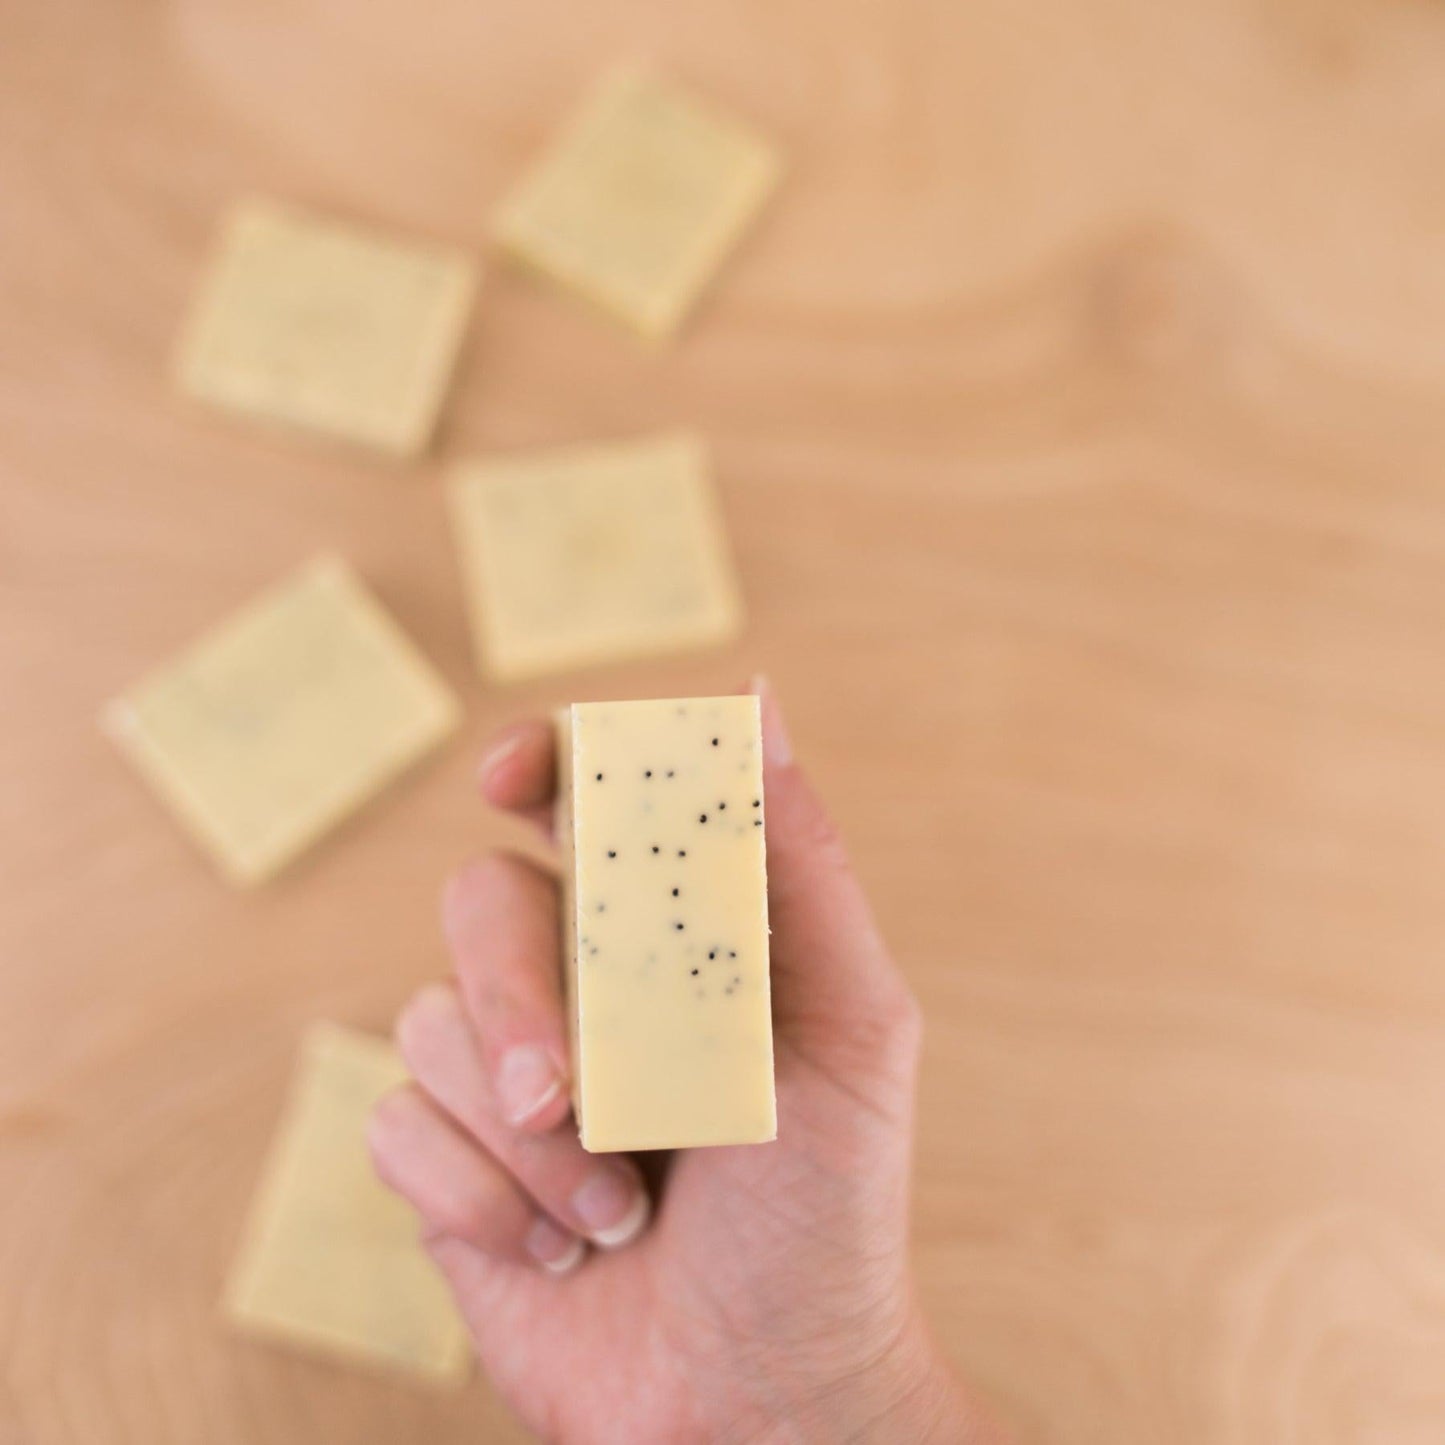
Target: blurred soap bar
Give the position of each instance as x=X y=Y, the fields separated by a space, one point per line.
x=639 y=200
x=331 y=1260
x=660 y=816
x=283 y=720
x=592 y=554
x=307 y=322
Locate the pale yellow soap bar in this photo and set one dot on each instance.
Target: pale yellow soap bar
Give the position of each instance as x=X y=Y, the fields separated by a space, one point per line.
x=639 y=200
x=285 y=719
x=330 y=1259
x=592 y=554
x=666 y=922
x=311 y=323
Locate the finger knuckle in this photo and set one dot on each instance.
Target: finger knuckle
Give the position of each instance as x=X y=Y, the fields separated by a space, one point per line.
x=890 y=1029
x=477 y=1214
x=492 y=880
x=904 y=1018
x=466 y=890
x=822 y=837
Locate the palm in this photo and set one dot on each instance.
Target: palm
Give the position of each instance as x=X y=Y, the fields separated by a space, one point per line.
x=731 y=1271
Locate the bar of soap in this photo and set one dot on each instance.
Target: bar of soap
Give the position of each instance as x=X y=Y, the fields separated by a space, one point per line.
x=592 y=554
x=330 y=1259
x=285 y=719
x=639 y=200
x=660 y=816
x=329 y=327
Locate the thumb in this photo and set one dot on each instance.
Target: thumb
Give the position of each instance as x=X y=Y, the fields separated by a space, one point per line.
x=830 y=967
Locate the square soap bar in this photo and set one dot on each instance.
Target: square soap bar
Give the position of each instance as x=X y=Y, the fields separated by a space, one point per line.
x=330 y=1259
x=660 y=817
x=328 y=327
x=639 y=200
x=283 y=720
x=591 y=555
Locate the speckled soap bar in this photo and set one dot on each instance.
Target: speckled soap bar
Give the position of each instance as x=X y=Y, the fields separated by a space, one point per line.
x=660 y=817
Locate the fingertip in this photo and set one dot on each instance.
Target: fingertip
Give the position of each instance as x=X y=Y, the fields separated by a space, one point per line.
x=518 y=770
x=557 y=1250
x=555 y=1112
x=611 y=1205
x=628 y=1228
x=566 y=1263
x=531 y=1088
x=495 y=761
x=795 y=814
x=777 y=744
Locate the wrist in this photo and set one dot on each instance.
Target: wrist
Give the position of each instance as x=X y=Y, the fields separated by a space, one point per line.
x=918 y=1400
x=909 y=1393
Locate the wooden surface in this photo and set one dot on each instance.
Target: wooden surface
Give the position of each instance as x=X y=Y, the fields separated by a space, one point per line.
x=1079 y=413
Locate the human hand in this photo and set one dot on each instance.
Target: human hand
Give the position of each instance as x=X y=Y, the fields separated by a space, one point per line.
x=771 y=1297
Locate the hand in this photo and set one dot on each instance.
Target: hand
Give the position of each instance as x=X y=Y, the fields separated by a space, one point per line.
x=770 y=1299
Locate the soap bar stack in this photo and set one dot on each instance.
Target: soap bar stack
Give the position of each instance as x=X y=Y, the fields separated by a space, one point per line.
x=666 y=922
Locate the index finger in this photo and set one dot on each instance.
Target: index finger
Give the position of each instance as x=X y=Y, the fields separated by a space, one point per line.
x=518 y=771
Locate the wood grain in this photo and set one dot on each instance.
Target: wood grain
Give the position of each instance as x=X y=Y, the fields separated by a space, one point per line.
x=1078 y=417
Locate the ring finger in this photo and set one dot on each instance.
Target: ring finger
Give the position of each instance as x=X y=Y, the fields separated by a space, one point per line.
x=459 y=1190
x=599 y=1196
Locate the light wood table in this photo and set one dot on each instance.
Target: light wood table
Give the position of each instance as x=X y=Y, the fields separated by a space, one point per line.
x=1079 y=412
